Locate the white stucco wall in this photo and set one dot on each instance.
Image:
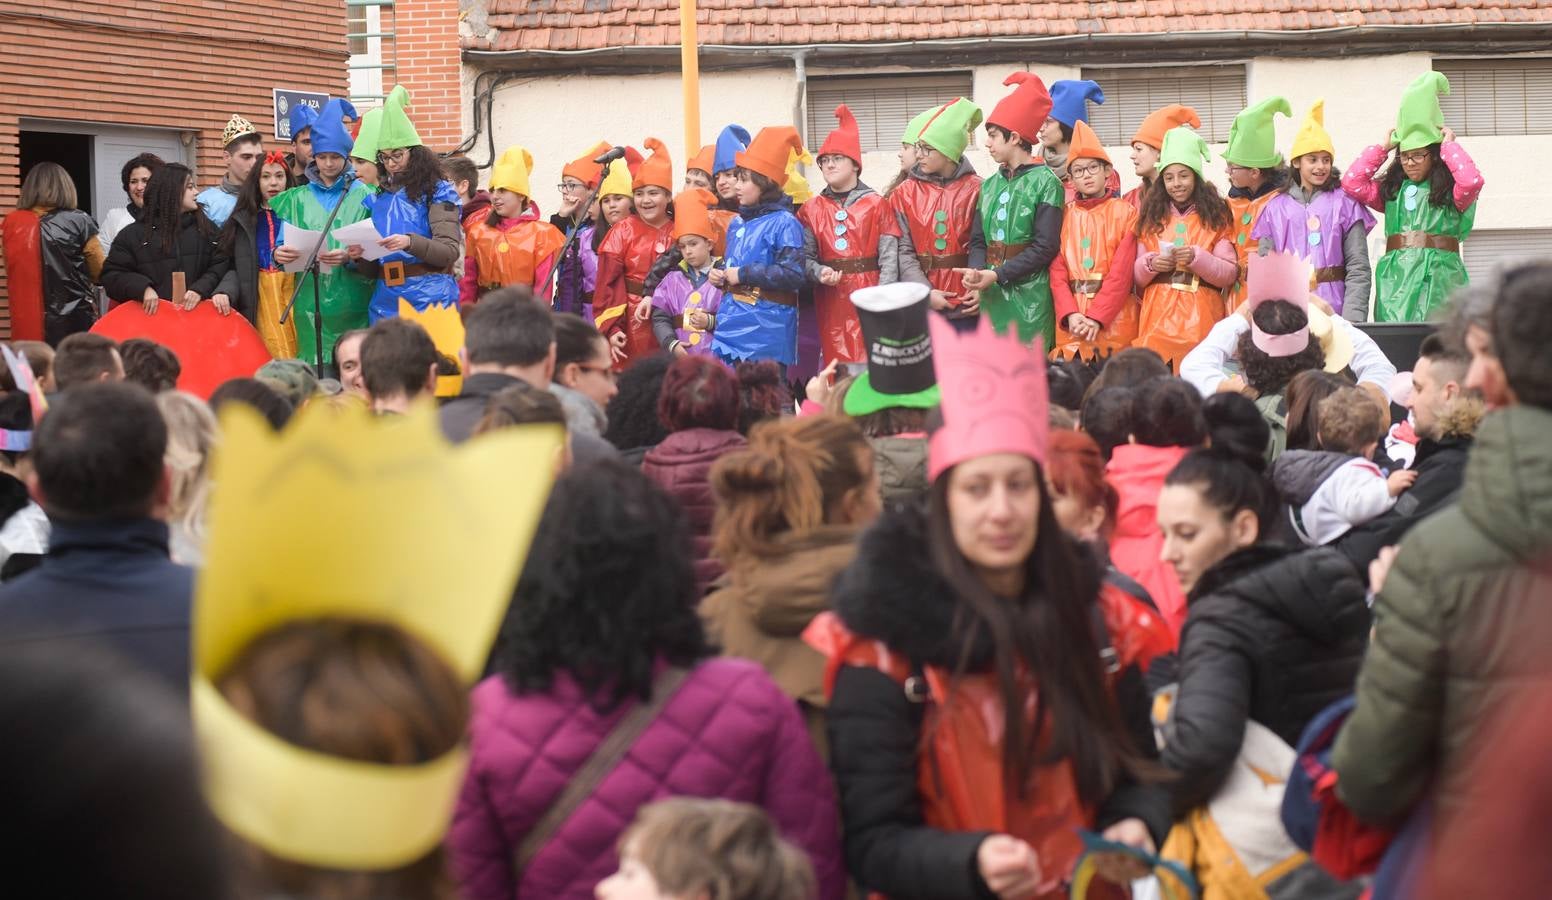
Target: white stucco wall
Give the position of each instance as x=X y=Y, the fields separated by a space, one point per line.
x=558 y=118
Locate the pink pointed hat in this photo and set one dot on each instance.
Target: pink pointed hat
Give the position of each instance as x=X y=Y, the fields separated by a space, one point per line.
x=1278 y=276
x=994 y=396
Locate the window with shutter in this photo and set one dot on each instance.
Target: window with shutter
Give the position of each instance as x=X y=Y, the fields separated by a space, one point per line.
x=1487 y=253
x=883 y=104
x=1217 y=93
x=1497 y=96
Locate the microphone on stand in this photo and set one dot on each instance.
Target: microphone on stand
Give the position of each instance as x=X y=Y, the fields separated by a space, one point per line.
x=609 y=157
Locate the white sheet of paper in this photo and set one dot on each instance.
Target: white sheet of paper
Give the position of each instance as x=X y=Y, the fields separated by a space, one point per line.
x=363 y=233
x=303 y=241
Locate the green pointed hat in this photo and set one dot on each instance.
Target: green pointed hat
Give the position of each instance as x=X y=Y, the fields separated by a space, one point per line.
x=913 y=131
x=1420 y=122
x=366 y=138
x=948 y=128
x=1252 y=137
x=1186 y=147
x=396 y=129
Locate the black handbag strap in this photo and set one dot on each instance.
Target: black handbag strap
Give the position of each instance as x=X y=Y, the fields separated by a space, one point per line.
x=604 y=759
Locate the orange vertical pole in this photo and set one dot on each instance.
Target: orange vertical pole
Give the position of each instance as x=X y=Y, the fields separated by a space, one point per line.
x=690 y=77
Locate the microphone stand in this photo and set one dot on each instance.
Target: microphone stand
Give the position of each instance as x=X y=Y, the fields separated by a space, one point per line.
x=345 y=180
x=571 y=238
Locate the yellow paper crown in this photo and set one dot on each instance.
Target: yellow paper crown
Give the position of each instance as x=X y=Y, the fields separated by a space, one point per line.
x=436 y=539
x=1312 y=136
x=511 y=171
x=445 y=326
x=797 y=186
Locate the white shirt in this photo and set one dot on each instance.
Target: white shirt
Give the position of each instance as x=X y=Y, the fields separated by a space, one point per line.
x=1213 y=360
x=115 y=222
x=1352 y=495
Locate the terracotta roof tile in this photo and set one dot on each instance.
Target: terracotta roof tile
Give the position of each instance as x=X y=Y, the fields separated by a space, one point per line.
x=592 y=24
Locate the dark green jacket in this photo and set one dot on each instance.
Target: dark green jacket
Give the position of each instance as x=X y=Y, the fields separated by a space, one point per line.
x=1464 y=620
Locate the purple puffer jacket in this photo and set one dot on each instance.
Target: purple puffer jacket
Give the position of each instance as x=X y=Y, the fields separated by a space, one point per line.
x=681 y=465
x=728 y=732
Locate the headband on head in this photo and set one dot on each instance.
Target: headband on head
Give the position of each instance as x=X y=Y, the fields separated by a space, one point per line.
x=275 y=156
x=1278 y=276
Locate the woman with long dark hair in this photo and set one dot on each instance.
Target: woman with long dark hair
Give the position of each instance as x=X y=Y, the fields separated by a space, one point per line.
x=1273 y=635
x=417 y=210
x=1428 y=194
x=986 y=699
x=602 y=640
x=134 y=175
x=249 y=238
x=1185 y=251
x=173 y=235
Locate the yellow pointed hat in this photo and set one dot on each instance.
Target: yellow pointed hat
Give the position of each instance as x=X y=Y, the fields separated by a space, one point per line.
x=445 y=326
x=1312 y=136
x=511 y=171
x=617 y=181
x=438 y=535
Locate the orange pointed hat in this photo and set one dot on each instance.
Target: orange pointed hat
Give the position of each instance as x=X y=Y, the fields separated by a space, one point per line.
x=692 y=215
x=703 y=160
x=656 y=170
x=1085 y=144
x=583 y=168
x=1152 y=129
x=769 y=152
x=846 y=139
x=1025 y=110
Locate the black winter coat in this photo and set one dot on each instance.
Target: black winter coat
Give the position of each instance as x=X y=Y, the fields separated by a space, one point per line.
x=240 y=283
x=137 y=261
x=1272 y=635
x=891 y=593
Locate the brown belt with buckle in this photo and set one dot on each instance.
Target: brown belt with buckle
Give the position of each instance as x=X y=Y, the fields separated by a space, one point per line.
x=998 y=253
x=679 y=322
x=861 y=265
x=1184 y=281
x=1086 y=285
x=394 y=273
x=952 y=261
x=1416 y=240
x=752 y=294
x=1329 y=274
x=635 y=288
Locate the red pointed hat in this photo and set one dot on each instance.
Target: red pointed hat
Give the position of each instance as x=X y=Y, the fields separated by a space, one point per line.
x=845 y=140
x=769 y=152
x=1025 y=110
x=993 y=396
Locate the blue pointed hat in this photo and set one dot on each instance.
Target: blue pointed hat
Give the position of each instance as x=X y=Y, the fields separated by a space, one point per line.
x=329 y=134
x=733 y=139
x=302 y=118
x=1069 y=100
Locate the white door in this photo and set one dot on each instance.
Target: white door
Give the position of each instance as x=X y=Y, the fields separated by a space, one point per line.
x=115 y=145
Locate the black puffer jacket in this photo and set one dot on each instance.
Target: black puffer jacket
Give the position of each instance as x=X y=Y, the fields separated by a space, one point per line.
x=138 y=260
x=1273 y=635
x=891 y=593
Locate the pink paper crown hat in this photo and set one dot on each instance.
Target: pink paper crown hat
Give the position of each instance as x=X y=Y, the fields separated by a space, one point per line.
x=994 y=396
x=1278 y=276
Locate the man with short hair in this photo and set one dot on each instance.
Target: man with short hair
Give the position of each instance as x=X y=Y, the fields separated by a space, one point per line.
x=242 y=148
x=107 y=580
x=1462 y=618
x=508 y=338
x=398 y=365
x=86 y=358
x=1445 y=416
x=347 y=357
x=150 y=365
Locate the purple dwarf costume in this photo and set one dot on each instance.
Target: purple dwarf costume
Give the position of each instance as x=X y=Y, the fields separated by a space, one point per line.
x=677 y=295
x=577 y=276
x=1320 y=229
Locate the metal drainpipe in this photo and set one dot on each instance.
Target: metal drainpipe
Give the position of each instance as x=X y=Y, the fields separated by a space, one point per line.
x=800 y=102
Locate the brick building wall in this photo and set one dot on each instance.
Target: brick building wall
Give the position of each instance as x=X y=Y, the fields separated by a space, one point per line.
x=178 y=64
x=430 y=68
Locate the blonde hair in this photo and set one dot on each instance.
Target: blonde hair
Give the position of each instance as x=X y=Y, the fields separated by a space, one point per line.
x=191 y=435
x=1349 y=420
x=729 y=851
x=790 y=478
x=47 y=186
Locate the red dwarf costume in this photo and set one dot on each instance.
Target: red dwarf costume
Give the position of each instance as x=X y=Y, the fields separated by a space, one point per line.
x=845 y=233
x=625 y=259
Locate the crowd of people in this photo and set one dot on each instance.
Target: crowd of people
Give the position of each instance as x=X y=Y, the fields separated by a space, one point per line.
x=523 y=570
